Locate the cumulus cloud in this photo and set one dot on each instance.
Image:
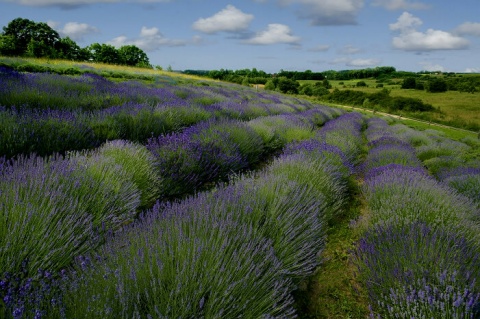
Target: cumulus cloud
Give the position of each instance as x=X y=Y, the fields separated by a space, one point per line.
x=363 y=63
x=77 y=31
x=229 y=19
x=320 y=48
x=472 y=70
x=357 y=63
x=431 y=67
x=468 y=28
x=275 y=33
x=400 y=5
x=410 y=39
x=68 y=4
x=150 y=39
x=328 y=12
x=349 y=49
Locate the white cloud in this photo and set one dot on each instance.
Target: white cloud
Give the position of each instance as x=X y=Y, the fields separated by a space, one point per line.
x=357 y=63
x=400 y=5
x=429 y=66
x=472 y=70
x=406 y=22
x=320 y=48
x=363 y=63
x=410 y=39
x=229 y=19
x=328 y=12
x=349 y=49
x=77 y=31
x=275 y=33
x=150 y=39
x=339 y=61
x=75 y=3
x=468 y=28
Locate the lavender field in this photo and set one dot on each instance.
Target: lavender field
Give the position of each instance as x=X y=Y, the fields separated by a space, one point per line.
x=187 y=199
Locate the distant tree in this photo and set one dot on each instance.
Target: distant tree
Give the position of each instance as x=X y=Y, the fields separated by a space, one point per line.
x=361 y=84
x=420 y=86
x=39 y=49
x=306 y=89
x=69 y=50
x=8 y=45
x=104 y=53
x=436 y=85
x=467 y=87
x=26 y=37
x=133 y=56
x=326 y=84
x=270 y=85
x=288 y=86
x=409 y=83
x=320 y=91
x=20 y=31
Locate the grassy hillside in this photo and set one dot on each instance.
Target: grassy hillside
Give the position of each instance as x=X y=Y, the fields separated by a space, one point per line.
x=289 y=196
x=459 y=109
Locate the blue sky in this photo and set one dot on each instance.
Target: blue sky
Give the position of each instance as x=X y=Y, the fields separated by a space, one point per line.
x=270 y=35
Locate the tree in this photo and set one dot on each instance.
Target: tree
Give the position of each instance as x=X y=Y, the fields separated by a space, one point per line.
x=436 y=85
x=270 y=85
x=288 y=86
x=28 y=37
x=409 y=83
x=361 y=84
x=133 y=56
x=69 y=50
x=104 y=53
x=8 y=45
x=326 y=84
x=38 y=48
x=20 y=30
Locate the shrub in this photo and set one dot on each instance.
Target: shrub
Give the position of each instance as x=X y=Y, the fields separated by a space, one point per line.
x=42 y=225
x=189 y=259
x=436 y=85
x=415 y=270
x=402 y=195
x=139 y=162
x=361 y=84
x=409 y=83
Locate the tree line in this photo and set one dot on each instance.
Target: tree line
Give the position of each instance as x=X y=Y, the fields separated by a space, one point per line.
x=26 y=38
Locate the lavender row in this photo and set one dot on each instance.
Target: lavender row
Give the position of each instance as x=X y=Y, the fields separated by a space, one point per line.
x=420 y=253
x=452 y=162
x=46 y=113
x=58 y=208
x=234 y=252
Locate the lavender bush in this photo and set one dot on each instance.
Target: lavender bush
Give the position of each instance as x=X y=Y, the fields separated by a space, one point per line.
x=407 y=194
x=42 y=226
x=325 y=179
x=139 y=163
x=344 y=132
x=415 y=270
x=184 y=261
x=390 y=153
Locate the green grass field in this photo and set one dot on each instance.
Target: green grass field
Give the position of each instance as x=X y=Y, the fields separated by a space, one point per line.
x=456 y=108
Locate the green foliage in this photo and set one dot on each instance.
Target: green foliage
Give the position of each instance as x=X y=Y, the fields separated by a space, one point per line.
x=23 y=37
x=29 y=37
x=436 y=85
x=139 y=162
x=133 y=56
x=361 y=84
x=270 y=85
x=409 y=83
x=288 y=86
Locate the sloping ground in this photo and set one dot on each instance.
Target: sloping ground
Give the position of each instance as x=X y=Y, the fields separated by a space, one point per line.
x=115 y=232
